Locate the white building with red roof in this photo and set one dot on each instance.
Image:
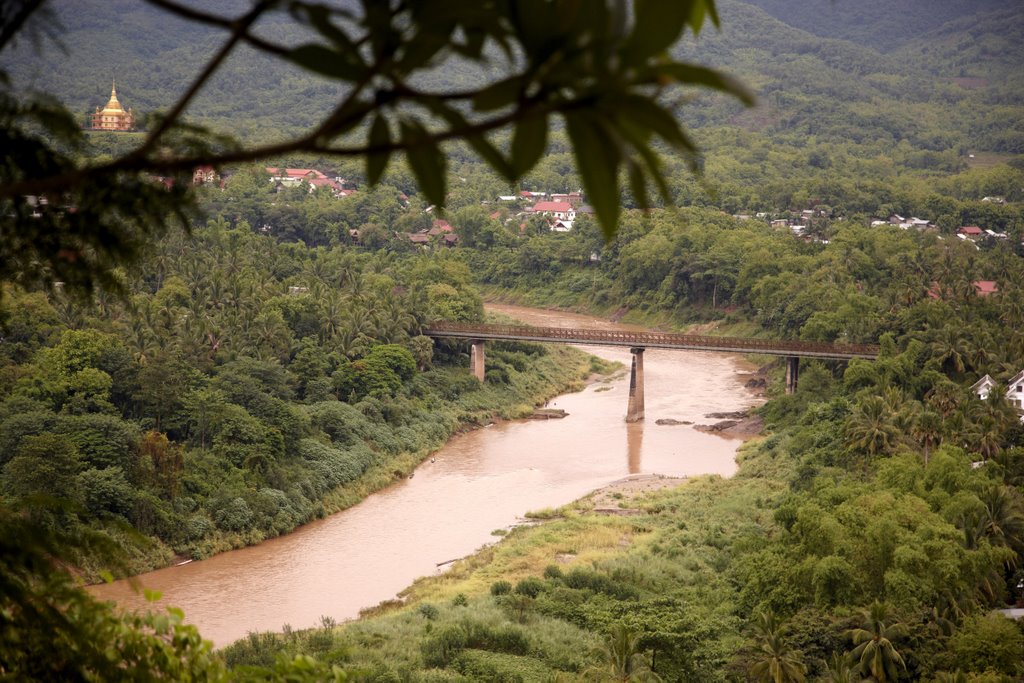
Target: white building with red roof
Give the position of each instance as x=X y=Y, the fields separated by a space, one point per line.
x=563 y=211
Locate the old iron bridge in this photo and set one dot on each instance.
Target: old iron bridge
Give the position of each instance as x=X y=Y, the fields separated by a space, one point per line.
x=793 y=351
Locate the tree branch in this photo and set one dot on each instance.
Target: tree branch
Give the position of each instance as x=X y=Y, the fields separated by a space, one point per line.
x=11 y=28
x=307 y=143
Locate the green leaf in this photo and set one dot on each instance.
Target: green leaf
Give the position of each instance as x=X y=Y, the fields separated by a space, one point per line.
x=528 y=143
x=498 y=95
x=692 y=74
x=657 y=26
x=320 y=17
x=377 y=162
x=597 y=161
x=649 y=116
x=478 y=142
x=638 y=184
x=637 y=138
x=426 y=161
x=323 y=60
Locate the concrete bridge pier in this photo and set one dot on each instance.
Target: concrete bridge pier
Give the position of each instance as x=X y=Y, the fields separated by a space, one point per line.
x=635 y=411
x=792 y=373
x=476 y=359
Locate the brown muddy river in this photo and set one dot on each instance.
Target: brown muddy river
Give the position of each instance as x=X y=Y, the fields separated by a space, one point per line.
x=477 y=483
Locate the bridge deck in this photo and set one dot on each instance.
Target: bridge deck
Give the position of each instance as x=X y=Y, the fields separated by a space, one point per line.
x=566 y=335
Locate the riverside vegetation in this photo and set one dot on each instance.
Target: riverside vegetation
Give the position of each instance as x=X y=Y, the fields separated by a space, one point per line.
x=868 y=535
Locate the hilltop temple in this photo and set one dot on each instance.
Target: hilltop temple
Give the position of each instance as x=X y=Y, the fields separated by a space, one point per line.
x=113 y=116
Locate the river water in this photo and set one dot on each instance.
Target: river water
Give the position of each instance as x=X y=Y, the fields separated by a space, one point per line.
x=479 y=482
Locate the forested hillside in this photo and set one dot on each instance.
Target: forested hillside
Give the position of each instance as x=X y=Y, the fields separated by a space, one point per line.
x=245 y=387
x=890 y=78
x=885 y=26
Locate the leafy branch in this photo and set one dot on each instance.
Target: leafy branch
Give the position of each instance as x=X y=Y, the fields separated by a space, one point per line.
x=602 y=65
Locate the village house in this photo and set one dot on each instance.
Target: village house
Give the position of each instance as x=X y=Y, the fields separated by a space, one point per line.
x=981 y=288
x=985 y=287
x=205 y=175
x=983 y=387
x=563 y=211
x=574 y=198
x=1014 y=390
x=293 y=177
x=970 y=232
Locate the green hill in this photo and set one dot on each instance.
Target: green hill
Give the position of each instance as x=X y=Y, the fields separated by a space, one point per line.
x=850 y=72
x=885 y=25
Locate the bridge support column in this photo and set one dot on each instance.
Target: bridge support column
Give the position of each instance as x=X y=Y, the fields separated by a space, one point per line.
x=476 y=359
x=792 y=373
x=635 y=411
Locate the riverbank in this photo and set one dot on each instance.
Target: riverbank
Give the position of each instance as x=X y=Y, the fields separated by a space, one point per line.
x=481 y=482
x=650 y=541
x=529 y=384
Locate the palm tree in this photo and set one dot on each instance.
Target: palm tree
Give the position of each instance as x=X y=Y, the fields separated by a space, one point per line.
x=838 y=670
x=871 y=428
x=780 y=663
x=623 y=660
x=928 y=431
x=950 y=350
x=1003 y=517
x=877 y=657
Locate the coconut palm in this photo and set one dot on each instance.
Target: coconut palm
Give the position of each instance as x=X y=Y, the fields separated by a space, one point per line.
x=839 y=670
x=874 y=652
x=779 y=662
x=950 y=350
x=1003 y=517
x=927 y=430
x=870 y=428
x=622 y=659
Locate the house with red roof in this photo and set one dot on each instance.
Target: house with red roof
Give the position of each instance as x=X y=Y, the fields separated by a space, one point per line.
x=290 y=177
x=970 y=232
x=563 y=211
x=204 y=175
x=985 y=287
x=574 y=198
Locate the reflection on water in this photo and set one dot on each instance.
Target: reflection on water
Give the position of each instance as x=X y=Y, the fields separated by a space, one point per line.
x=481 y=481
x=634 y=446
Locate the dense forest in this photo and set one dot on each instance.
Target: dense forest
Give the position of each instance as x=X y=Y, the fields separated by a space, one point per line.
x=266 y=368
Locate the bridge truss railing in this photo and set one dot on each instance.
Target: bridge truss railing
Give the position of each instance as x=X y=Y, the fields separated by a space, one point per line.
x=665 y=340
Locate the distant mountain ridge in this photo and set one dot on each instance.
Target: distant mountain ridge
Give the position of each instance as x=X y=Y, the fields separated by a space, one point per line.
x=821 y=67
x=885 y=25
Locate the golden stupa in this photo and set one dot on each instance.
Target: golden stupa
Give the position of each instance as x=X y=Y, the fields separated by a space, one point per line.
x=113 y=116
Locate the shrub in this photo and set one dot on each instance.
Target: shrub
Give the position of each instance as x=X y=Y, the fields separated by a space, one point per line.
x=501 y=588
x=552 y=572
x=429 y=612
x=530 y=586
x=235 y=515
x=440 y=649
x=106 y=491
